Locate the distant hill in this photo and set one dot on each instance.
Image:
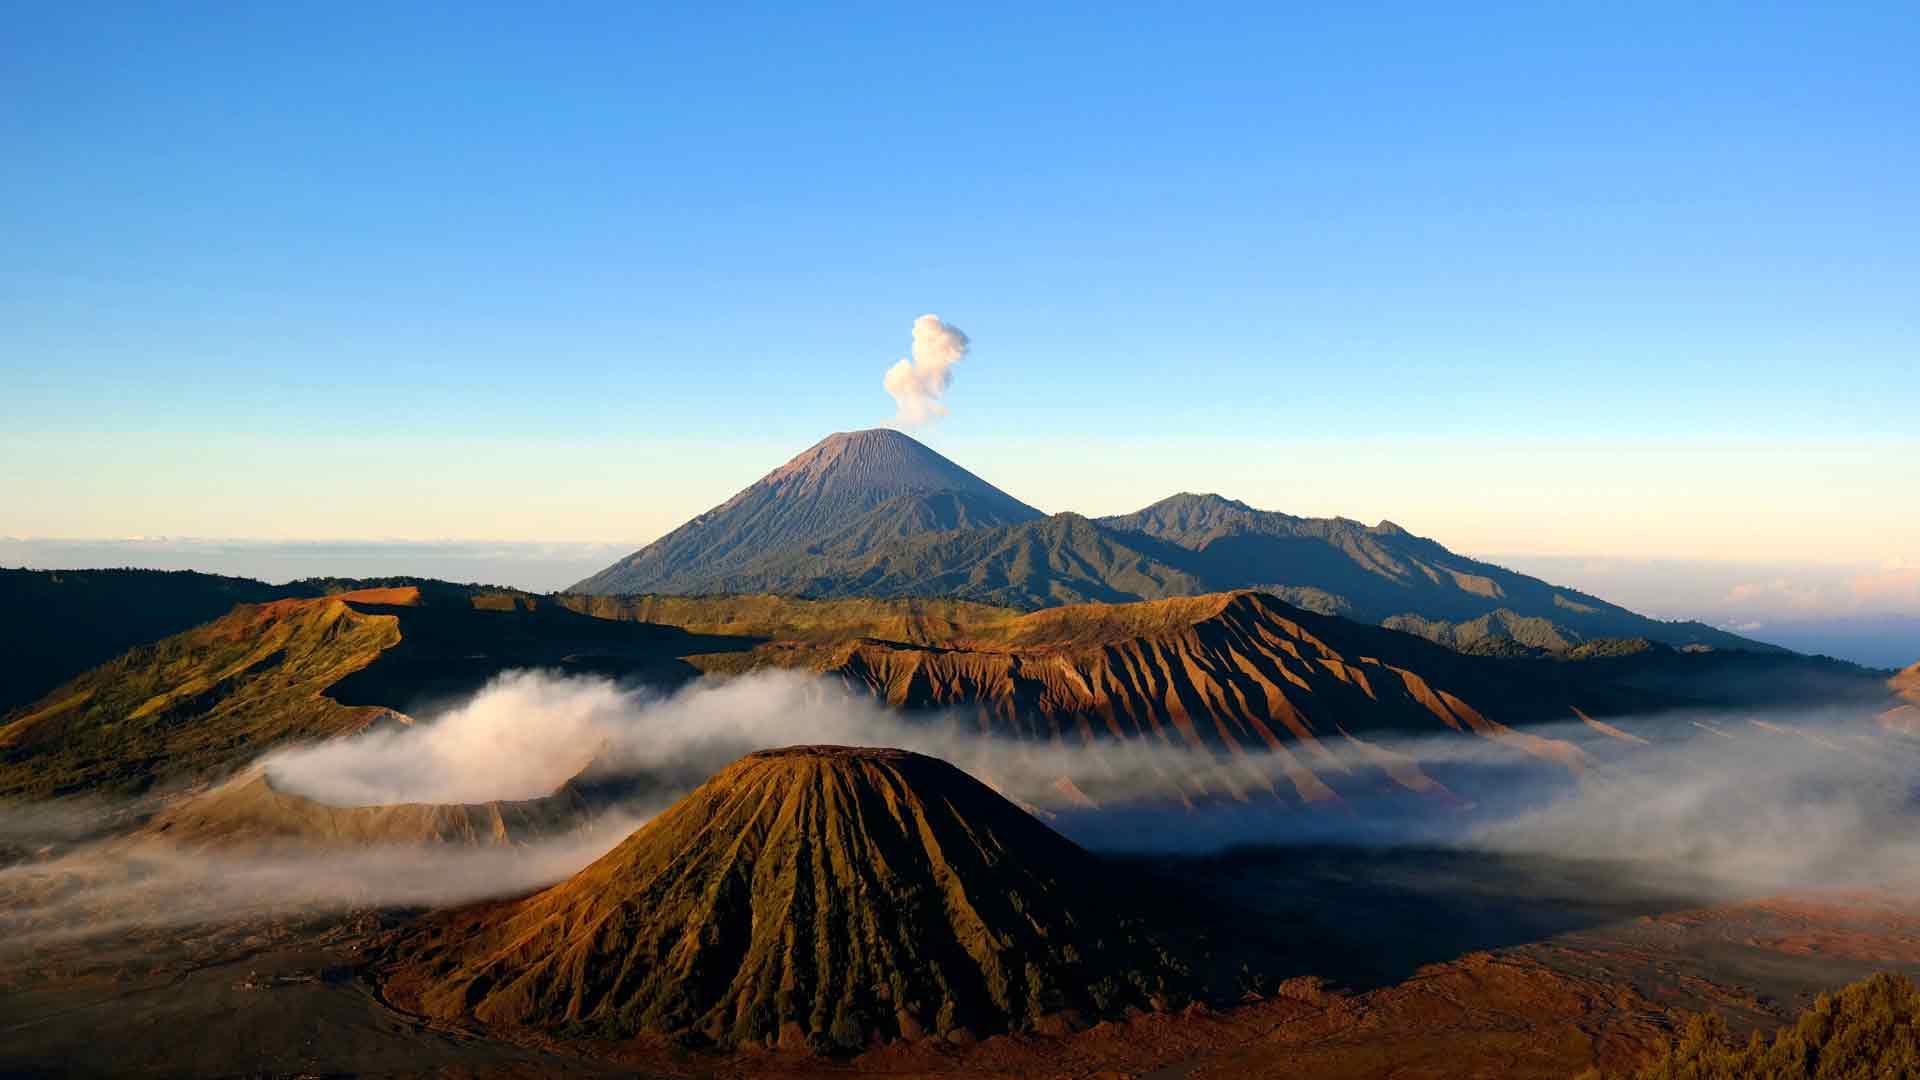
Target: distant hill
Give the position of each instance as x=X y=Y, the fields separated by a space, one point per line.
x=1384 y=574
x=851 y=490
x=809 y=898
x=865 y=514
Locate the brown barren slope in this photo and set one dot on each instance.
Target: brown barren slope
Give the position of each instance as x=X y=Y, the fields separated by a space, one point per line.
x=1229 y=675
x=248 y=811
x=806 y=897
x=1905 y=714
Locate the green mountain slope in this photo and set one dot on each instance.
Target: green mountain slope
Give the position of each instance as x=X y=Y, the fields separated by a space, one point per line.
x=1063 y=559
x=1384 y=574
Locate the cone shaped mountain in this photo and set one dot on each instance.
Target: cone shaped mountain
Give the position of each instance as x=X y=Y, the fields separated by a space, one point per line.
x=875 y=513
x=816 y=896
x=821 y=493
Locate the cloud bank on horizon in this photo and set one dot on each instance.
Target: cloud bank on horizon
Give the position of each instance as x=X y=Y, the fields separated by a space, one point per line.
x=918 y=382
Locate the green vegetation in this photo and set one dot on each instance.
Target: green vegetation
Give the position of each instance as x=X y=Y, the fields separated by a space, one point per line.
x=1868 y=1031
x=1063 y=559
x=1533 y=633
x=919 y=621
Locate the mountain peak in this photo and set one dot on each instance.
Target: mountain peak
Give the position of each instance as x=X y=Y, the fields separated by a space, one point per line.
x=821 y=492
x=951 y=907
x=1187 y=512
x=877 y=460
x=1202 y=500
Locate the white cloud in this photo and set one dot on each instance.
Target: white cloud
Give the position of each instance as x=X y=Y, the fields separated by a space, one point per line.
x=1896 y=584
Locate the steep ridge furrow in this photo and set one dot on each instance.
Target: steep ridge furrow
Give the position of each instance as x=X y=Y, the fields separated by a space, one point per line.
x=816 y=896
x=1225 y=679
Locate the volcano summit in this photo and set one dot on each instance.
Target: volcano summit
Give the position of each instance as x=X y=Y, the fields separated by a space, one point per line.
x=808 y=897
x=889 y=483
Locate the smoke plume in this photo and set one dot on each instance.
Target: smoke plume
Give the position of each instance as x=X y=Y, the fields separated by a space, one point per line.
x=918 y=382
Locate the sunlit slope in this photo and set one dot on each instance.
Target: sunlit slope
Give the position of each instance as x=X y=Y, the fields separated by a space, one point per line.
x=1867 y=1029
x=807 y=897
x=55 y=624
x=201 y=703
x=1227 y=674
x=1905 y=713
x=1230 y=671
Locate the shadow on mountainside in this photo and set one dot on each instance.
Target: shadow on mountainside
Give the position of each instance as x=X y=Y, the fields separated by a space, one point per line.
x=1368 y=917
x=450 y=653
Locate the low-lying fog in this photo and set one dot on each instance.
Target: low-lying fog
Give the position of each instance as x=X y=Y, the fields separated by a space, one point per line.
x=1746 y=803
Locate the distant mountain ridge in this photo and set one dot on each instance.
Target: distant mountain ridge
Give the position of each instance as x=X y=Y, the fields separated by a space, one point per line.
x=877 y=514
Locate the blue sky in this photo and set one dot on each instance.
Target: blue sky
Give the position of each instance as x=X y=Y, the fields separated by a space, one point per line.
x=1623 y=279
